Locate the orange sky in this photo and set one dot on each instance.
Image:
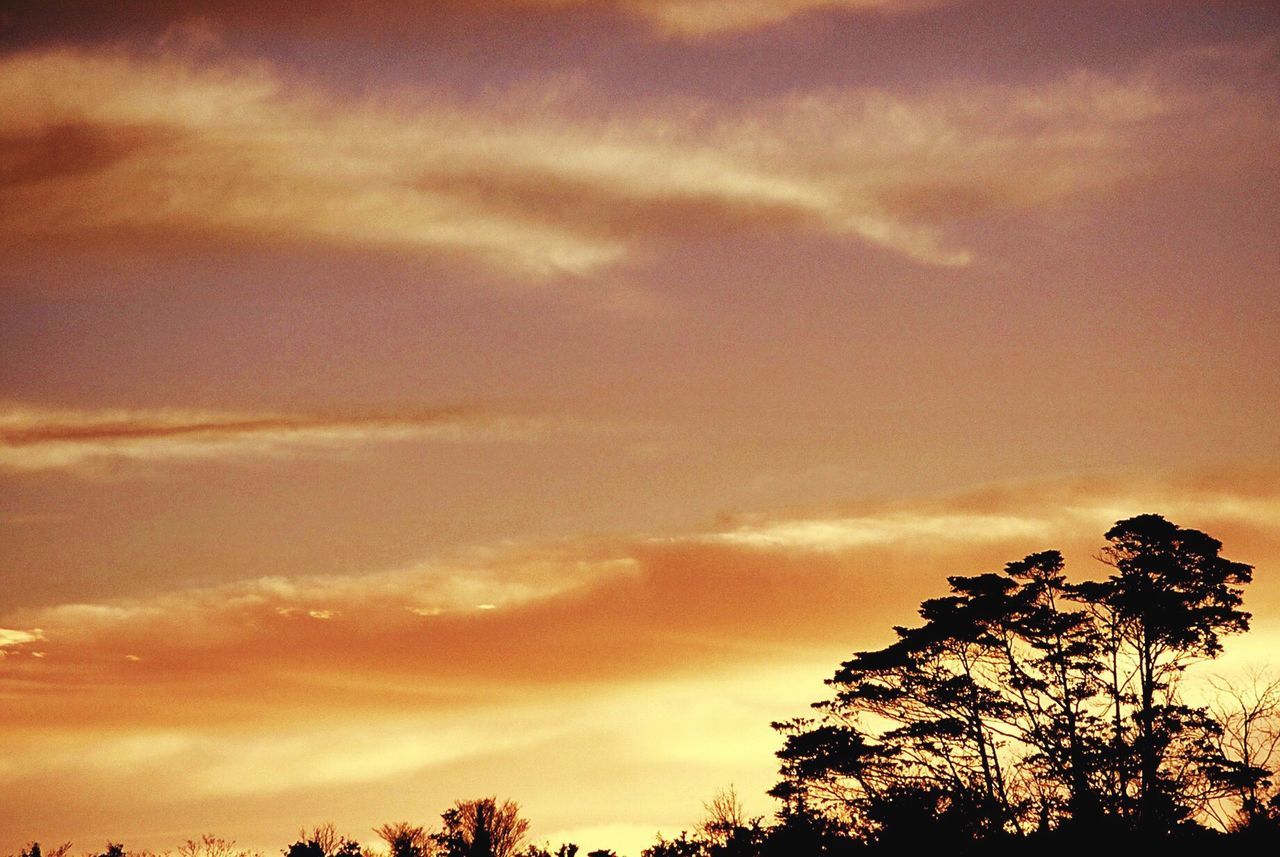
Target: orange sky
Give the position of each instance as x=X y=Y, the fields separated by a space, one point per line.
x=539 y=397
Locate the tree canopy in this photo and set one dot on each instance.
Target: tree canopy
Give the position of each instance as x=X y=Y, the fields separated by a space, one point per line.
x=1025 y=703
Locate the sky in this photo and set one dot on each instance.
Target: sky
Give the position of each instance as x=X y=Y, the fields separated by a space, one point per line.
x=403 y=402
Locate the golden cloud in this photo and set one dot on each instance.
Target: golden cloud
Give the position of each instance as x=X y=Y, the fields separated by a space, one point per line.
x=586 y=612
x=553 y=179
x=703 y=18
x=51 y=439
x=15 y=637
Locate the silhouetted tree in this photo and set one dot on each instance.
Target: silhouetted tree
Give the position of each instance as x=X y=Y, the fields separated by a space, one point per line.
x=681 y=846
x=406 y=840
x=482 y=828
x=212 y=846
x=1169 y=601
x=723 y=816
x=1248 y=717
x=932 y=690
x=1023 y=702
x=323 y=841
x=806 y=832
x=568 y=849
x=33 y=850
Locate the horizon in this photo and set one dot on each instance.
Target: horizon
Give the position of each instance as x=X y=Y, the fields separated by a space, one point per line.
x=538 y=398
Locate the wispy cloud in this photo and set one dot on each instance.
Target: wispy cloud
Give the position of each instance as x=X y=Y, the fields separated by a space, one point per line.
x=844 y=533
x=555 y=178
x=50 y=439
x=583 y=610
x=199 y=21
x=704 y=18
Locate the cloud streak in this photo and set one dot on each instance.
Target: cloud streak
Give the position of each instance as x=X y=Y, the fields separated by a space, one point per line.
x=834 y=534
x=682 y=19
x=599 y=610
x=554 y=179
x=708 y=18
x=33 y=439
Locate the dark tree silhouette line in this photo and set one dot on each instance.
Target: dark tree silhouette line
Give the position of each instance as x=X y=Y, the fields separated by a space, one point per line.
x=1024 y=711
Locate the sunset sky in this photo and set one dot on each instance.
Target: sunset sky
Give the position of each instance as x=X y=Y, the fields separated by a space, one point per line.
x=409 y=401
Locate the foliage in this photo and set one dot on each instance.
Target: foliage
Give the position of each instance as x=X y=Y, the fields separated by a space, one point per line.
x=323 y=841
x=1248 y=717
x=681 y=846
x=568 y=849
x=1026 y=703
x=482 y=828
x=406 y=840
x=33 y=850
x=212 y=846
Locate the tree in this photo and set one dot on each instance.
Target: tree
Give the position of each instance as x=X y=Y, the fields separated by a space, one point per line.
x=1168 y=603
x=681 y=846
x=567 y=849
x=724 y=814
x=1248 y=717
x=405 y=839
x=1023 y=702
x=33 y=850
x=482 y=828
x=941 y=717
x=323 y=841
x=212 y=846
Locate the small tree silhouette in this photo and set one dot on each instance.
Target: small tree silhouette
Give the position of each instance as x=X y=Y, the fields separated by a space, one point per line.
x=723 y=814
x=681 y=846
x=1248 y=715
x=212 y=846
x=406 y=840
x=482 y=828
x=567 y=849
x=323 y=841
x=33 y=850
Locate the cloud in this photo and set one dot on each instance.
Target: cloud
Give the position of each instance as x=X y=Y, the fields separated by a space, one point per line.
x=51 y=439
x=13 y=637
x=844 y=533
x=705 y=18
x=511 y=621
x=200 y=22
x=554 y=178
